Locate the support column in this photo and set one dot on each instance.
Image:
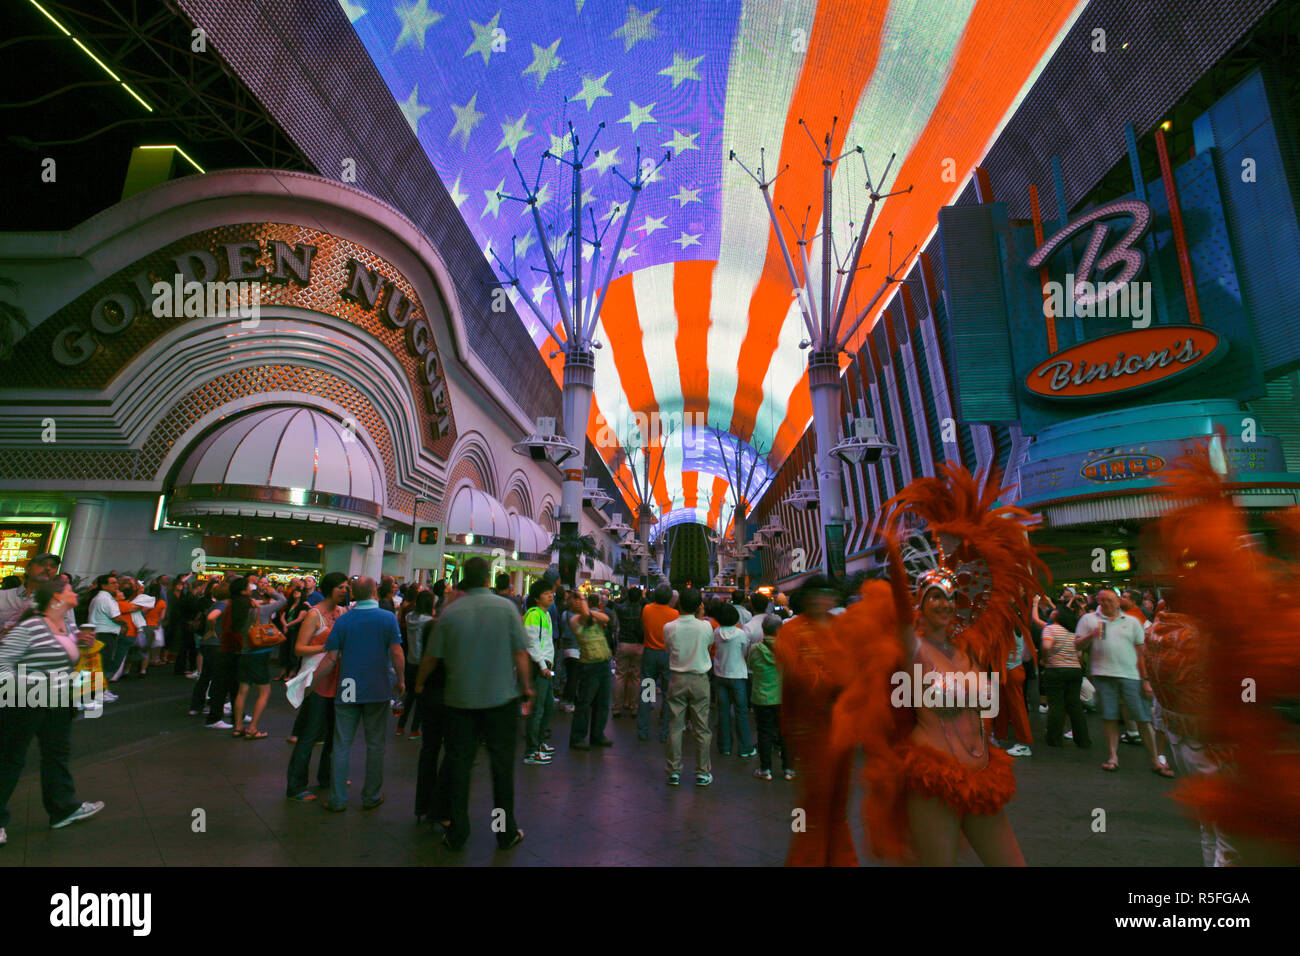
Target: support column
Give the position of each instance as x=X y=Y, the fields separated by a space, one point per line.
x=579 y=374
x=83 y=536
x=824 y=382
x=373 y=556
x=738 y=517
x=645 y=523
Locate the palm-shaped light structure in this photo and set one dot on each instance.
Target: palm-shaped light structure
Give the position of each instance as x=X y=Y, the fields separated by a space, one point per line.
x=578 y=316
x=635 y=452
x=823 y=306
x=744 y=484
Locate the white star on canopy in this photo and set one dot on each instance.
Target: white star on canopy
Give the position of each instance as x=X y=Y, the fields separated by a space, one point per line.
x=416 y=19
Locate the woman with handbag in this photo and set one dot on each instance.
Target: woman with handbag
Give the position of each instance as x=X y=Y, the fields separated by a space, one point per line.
x=41 y=646
x=251 y=622
x=316 y=715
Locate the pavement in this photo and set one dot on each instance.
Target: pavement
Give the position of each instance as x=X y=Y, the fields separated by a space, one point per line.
x=180 y=795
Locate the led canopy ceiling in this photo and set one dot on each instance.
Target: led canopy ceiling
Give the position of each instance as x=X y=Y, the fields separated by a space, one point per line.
x=699 y=325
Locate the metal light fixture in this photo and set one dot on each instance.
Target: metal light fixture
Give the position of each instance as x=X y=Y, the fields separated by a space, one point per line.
x=593 y=495
x=865 y=446
x=805 y=497
x=545 y=445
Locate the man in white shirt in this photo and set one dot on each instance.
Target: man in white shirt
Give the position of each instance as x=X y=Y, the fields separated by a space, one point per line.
x=738 y=602
x=754 y=629
x=41 y=569
x=1119 y=671
x=688 y=639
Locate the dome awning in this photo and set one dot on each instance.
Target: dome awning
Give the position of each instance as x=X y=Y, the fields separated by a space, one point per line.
x=274 y=468
x=477 y=522
x=532 y=541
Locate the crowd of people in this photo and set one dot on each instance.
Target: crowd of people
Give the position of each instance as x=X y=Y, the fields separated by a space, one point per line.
x=467 y=662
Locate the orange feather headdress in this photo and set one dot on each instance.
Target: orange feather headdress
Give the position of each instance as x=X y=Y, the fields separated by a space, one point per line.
x=985 y=552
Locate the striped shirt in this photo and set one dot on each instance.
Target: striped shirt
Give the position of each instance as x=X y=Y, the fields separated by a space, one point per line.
x=1063 y=652
x=32 y=646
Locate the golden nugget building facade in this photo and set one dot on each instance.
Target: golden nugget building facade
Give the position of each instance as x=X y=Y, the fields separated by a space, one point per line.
x=258 y=369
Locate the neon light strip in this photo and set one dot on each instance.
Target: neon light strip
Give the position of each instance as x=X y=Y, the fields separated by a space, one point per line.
x=182 y=152
x=85 y=49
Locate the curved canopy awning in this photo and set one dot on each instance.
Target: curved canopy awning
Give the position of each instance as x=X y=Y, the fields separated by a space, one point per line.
x=532 y=541
x=478 y=523
x=283 y=471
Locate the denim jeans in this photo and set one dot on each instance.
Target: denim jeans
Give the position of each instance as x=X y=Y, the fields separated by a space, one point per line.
x=497 y=726
x=411 y=702
x=52 y=728
x=768 y=717
x=433 y=780
x=592 y=704
x=731 y=693
x=225 y=684
x=199 y=696
x=121 y=647
x=347 y=718
x=1061 y=684
x=654 y=666
x=540 y=719
x=317 y=717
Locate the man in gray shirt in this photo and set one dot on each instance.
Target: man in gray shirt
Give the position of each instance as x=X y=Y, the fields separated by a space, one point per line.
x=480 y=640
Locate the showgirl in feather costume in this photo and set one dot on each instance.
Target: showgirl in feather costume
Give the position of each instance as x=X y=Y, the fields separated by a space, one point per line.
x=930 y=773
x=1242 y=618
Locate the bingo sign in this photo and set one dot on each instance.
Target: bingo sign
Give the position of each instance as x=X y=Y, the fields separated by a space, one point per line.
x=19 y=543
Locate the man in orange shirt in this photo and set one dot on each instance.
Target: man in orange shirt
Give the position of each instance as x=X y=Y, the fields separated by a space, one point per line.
x=654 y=662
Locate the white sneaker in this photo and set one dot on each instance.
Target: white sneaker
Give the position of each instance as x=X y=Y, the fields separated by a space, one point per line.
x=1069 y=735
x=1019 y=750
x=226 y=710
x=4 y=837
x=1042 y=708
x=83 y=812
x=220 y=725
x=110 y=697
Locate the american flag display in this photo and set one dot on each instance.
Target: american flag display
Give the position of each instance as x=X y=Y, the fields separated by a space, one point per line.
x=700 y=326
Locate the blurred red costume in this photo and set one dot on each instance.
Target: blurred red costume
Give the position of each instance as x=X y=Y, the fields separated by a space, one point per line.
x=811 y=676
x=1230 y=671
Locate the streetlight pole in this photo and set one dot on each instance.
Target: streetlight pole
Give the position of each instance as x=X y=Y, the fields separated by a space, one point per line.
x=823 y=311
x=578 y=317
x=410 y=554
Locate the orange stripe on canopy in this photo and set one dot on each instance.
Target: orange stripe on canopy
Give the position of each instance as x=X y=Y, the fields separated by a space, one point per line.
x=690 y=489
x=623 y=329
x=844 y=44
x=1001 y=45
x=692 y=298
x=716 y=500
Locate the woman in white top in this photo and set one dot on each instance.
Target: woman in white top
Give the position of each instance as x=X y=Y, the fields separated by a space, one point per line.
x=731 y=675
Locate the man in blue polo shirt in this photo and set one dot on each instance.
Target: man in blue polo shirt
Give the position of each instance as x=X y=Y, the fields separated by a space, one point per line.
x=368 y=639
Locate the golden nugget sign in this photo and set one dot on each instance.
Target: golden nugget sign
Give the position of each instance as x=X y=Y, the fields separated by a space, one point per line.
x=236 y=280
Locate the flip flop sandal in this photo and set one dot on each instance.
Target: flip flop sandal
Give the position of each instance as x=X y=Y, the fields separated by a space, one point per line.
x=1110 y=767
x=260 y=735
x=237 y=733
x=1162 y=771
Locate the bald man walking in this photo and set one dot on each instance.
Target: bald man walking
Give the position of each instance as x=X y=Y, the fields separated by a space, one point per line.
x=367 y=641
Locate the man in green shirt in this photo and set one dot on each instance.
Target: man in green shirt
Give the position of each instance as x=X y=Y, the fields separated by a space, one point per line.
x=541 y=649
x=480 y=639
